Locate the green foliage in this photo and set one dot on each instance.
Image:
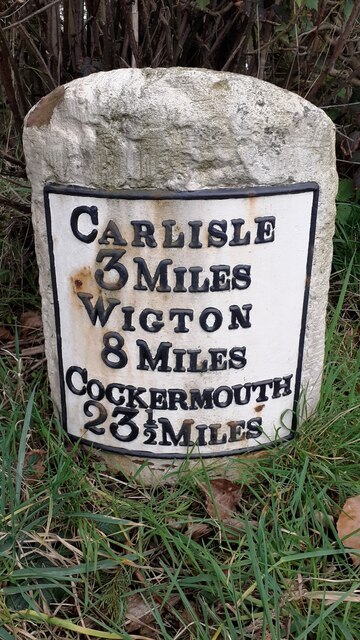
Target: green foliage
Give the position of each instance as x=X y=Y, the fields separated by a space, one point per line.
x=202 y=4
x=81 y=552
x=75 y=543
x=82 y=543
x=347 y=237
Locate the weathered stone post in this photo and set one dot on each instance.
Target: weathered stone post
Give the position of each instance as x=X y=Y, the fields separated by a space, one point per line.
x=183 y=222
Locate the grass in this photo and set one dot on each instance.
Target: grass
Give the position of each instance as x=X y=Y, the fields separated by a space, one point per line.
x=82 y=554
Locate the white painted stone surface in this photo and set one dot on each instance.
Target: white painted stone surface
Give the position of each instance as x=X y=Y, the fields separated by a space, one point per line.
x=185 y=130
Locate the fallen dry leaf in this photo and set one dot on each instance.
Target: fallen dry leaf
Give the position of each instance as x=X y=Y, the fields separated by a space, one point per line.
x=139 y=613
x=5 y=335
x=222 y=498
x=29 y=322
x=197 y=530
x=348 y=526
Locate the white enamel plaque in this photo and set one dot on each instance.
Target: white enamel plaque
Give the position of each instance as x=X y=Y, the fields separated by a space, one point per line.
x=181 y=316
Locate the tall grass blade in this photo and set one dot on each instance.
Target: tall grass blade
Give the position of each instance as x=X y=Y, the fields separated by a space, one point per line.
x=22 y=445
x=70 y=626
x=339 y=306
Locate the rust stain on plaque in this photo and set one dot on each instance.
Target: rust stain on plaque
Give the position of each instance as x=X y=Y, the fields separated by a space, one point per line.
x=81 y=280
x=252 y=206
x=43 y=111
x=259 y=408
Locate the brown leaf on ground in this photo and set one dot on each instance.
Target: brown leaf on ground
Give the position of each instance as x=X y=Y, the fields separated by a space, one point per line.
x=139 y=613
x=34 y=464
x=29 y=322
x=348 y=526
x=5 y=335
x=222 y=498
x=197 y=530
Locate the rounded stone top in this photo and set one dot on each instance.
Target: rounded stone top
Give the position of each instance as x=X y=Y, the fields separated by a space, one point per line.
x=176 y=128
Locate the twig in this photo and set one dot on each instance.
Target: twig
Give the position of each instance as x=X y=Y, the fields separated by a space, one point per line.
x=6 y=79
x=23 y=208
x=9 y=178
x=15 y=24
x=340 y=43
x=12 y=160
x=31 y=44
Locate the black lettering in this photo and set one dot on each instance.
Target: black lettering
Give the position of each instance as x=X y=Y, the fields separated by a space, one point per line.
x=201 y=399
x=112 y=231
x=214 y=430
x=238 y=318
x=128 y=312
x=195 y=285
x=179 y=279
x=236 y=430
x=237 y=358
x=217 y=321
x=146 y=360
x=74 y=222
x=262 y=386
x=125 y=421
x=239 y=397
x=110 y=393
x=98 y=311
x=112 y=265
x=92 y=425
x=217 y=359
x=183 y=436
x=69 y=380
x=115 y=350
x=195 y=231
x=265 y=230
x=143 y=229
x=177 y=396
x=182 y=314
x=161 y=274
x=193 y=364
x=254 y=429
x=170 y=242
x=134 y=397
x=95 y=389
x=237 y=241
x=150 y=428
x=155 y=326
x=158 y=399
x=217 y=236
x=220 y=282
x=279 y=384
x=226 y=402
x=150 y=422
x=179 y=359
x=201 y=428
x=241 y=276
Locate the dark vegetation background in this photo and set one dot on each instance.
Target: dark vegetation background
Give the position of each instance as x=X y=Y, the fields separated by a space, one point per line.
x=95 y=551
x=311 y=47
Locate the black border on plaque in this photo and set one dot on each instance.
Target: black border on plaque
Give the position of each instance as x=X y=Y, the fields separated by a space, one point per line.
x=206 y=194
